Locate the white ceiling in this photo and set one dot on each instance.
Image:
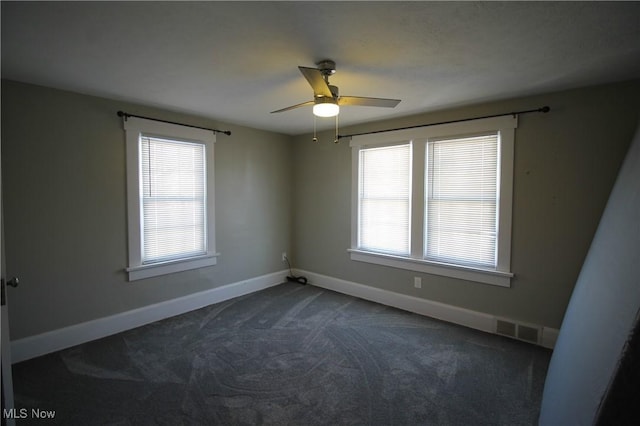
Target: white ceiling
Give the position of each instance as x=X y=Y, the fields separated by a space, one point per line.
x=237 y=61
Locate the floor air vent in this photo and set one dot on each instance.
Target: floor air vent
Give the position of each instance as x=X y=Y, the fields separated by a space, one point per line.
x=506 y=328
x=518 y=331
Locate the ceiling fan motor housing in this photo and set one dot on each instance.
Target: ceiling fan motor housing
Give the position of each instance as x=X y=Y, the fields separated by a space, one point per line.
x=327 y=67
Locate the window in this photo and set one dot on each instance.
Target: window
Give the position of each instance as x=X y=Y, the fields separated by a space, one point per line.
x=170 y=198
x=462 y=186
x=384 y=198
x=436 y=199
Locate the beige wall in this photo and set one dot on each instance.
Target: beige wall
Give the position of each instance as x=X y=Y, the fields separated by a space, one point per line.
x=566 y=162
x=63 y=165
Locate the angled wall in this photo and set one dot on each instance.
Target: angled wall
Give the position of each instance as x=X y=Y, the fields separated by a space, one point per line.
x=602 y=313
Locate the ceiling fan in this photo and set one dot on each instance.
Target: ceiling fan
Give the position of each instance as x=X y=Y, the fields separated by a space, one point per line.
x=326 y=97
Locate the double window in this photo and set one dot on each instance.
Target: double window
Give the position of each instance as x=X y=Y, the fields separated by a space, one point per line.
x=436 y=200
x=170 y=198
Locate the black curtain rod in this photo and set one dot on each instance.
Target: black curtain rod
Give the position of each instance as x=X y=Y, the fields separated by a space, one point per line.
x=127 y=115
x=544 y=109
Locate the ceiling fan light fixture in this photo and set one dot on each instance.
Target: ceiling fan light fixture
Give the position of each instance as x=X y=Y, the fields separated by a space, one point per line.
x=326 y=98
x=325 y=107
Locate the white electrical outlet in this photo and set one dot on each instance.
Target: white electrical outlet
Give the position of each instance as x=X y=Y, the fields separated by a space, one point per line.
x=417 y=282
x=284 y=256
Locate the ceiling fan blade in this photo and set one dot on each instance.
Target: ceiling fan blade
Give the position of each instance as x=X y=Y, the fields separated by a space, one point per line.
x=374 y=102
x=317 y=82
x=294 y=106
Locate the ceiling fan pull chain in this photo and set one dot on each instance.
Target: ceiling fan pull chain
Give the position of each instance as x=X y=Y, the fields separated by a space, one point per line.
x=337 y=139
x=315 y=137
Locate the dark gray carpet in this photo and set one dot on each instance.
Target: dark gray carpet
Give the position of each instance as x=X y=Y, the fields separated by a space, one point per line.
x=289 y=355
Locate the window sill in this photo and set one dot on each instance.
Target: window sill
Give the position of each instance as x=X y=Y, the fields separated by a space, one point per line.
x=485 y=276
x=162 y=268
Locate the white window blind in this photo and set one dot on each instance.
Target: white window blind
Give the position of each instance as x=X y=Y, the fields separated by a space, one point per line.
x=172 y=199
x=384 y=199
x=461 y=203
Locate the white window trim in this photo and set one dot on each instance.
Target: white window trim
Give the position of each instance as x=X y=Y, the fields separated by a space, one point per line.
x=135 y=127
x=501 y=275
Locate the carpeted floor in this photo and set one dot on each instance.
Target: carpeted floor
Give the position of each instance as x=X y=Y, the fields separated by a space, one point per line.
x=289 y=355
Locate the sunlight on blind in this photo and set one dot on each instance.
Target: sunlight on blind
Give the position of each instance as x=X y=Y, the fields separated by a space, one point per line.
x=462 y=188
x=384 y=199
x=173 y=200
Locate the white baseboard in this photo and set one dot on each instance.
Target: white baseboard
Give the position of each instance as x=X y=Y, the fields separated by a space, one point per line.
x=549 y=337
x=442 y=311
x=55 y=340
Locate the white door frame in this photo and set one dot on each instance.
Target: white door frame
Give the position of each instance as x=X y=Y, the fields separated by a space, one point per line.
x=5 y=341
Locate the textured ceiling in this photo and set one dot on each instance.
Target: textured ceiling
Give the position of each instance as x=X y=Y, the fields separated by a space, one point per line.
x=237 y=61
